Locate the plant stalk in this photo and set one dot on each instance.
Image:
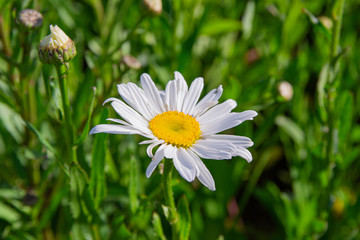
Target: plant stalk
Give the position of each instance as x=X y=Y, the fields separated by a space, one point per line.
x=62 y=71
x=169 y=198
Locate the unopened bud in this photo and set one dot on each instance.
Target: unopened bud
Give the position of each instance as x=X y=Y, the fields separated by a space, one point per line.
x=56 y=48
x=285 y=90
x=326 y=22
x=154 y=7
x=131 y=62
x=30 y=19
x=251 y=56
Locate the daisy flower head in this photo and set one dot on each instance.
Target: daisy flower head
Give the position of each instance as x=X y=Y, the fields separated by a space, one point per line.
x=56 y=48
x=184 y=128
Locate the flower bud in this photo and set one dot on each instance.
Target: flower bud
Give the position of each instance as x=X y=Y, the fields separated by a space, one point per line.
x=131 y=62
x=154 y=7
x=285 y=90
x=56 y=48
x=326 y=22
x=29 y=19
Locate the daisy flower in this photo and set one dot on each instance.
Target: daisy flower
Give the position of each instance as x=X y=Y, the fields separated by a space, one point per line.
x=56 y=48
x=184 y=128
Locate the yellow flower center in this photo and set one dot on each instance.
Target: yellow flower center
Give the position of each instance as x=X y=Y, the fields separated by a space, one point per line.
x=176 y=128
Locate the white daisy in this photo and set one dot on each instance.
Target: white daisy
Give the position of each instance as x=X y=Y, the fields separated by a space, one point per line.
x=184 y=129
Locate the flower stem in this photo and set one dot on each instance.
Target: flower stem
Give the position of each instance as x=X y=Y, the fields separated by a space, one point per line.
x=334 y=51
x=169 y=198
x=62 y=71
x=337 y=29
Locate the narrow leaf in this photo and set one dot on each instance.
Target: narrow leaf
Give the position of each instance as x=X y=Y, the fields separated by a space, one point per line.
x=221 y=26
x=157 y=226
x=321 y=91
x=85 y=131
x=291 y=128
x=248 y=19
x=82 y=203
x=184 y=218
x=133 y=184
x=42 y=139
x=345 y=106
x=97 y=178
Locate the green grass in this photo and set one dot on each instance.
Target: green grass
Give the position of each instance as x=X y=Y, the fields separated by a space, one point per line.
x=56 y=182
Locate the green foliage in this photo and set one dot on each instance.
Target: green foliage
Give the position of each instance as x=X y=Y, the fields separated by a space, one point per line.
x=184 y=218
x=57 y=182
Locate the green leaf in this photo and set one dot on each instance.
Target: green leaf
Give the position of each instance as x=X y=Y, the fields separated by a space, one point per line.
x=184 y=218
x=97 y=179
x=8 y=213
x=82 y=203
x=321 y=91
x=345 y=107
x=12 y=122
x=291 y=128
x=248 y=19
x=59 y=193
x=156 y=221
x=46 y=71
x=166 y=211
x=42 y=139
x=56 y=96
x=133 y=184
x=85 y=132
x=219 y=26
x=78 y=182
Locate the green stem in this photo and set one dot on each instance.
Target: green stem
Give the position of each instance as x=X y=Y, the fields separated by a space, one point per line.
x=62 y=74
x=258 y=170
x=25 y=76
x=4 y=38
x=127 y=36
x=169 y=197
x=62 y=71
x=337 y=29
x=95 y=232
x=334 y=51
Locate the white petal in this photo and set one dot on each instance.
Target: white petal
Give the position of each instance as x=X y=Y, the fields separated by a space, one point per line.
x=192 y=96
x=151 y=146
x=141 y=101
x=118 y=121
x=223 y=123
x=247 y=115
x=163 y=96
x=171 y=94
x=148 y=141
x=244 y=153
x=187 y=173
x=159 y=155
x=234 y=139
x=203 y=174
x=152 y=93
x=170 y=151
x=113 y=129
x=131 y=116
x=208 y=101
x=182 y=89
x=126 y=112
x=186 y=159
x=213 y=149
x=208 y=153
x=219 y=111
x=135 y=97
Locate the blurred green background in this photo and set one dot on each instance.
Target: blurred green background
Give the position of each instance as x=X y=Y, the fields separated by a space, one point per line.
x=304 y=180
